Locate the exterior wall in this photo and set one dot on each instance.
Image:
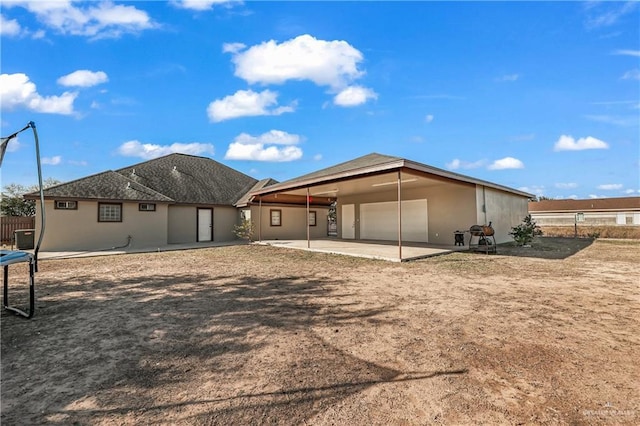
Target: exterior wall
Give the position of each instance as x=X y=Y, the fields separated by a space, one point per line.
x=224 y=219
x=294 y=223
x=78 y=230
x=450 y=207
x=590 y=218
x=503 y=209
x=183 y=225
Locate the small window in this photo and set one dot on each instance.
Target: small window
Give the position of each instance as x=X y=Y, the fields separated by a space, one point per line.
x=312 y=218
x=276 y=217
x=147 y=207
x=579 y=217
x=67 y=205
x=109 y=212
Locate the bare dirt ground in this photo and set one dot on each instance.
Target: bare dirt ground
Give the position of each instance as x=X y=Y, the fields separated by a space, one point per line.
x=256 y=334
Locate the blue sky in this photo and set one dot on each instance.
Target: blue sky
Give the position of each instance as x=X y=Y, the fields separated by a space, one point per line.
x=543 y=96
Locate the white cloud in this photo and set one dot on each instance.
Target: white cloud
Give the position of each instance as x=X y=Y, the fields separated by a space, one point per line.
x=627 y=52
x=460 y=164
x=631 y=75
x=508 y=77
x=631 y=191
x=317 y=157
x=93 y=19
x=506 y=163
x=631 y=120
x=52 y=161
x=568 y=185
x=274 y=137
x=16 y=90
x=428 y=118
x=148 y=151
x=326 y=63
x=13 y=145
x=354 y=96
x=9 y=27
x=568 y=143
x=246 y=103
x=595 y=196
x=610 y=186
x=573 y=197
x=233 y=47
x=606 y=14
x=83 y=78
x=533 y=189
x=201 y=5
x=265 y=147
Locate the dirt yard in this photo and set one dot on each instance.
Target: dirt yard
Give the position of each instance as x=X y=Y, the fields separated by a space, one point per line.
x=256 y=334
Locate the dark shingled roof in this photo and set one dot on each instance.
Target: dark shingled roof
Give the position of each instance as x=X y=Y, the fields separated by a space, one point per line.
x=175 y=178
x=107 y=185
x=244 y=200
x=188 y=179
x=595 y=204
x=369 y=160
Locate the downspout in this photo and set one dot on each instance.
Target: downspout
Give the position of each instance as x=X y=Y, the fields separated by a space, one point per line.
x=484 y=204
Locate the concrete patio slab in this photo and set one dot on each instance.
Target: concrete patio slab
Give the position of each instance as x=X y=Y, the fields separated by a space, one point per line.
x=382 y=250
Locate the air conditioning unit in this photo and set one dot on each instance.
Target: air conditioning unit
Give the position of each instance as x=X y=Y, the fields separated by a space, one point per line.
x=25 y=239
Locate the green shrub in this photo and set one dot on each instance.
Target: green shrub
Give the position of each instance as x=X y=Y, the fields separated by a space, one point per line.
x=526 y=231
x=245 y=230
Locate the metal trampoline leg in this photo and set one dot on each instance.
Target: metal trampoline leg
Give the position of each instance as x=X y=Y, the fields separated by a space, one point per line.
x=5 y=299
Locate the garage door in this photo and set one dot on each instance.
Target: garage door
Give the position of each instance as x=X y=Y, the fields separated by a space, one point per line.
x=379 y=221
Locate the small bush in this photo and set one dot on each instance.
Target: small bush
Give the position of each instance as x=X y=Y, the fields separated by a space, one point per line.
x=245 y=230
x=526 y=231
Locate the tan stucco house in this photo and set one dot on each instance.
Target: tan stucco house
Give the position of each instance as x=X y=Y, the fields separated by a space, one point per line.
x=183 y=199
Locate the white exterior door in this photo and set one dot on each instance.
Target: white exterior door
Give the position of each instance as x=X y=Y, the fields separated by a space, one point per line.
x=205 y=224
x=379 y=221
x=349 y=221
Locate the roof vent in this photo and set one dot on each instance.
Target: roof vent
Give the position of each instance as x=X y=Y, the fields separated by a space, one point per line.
x=175 y=168
x=128 y=185
x=133 y=172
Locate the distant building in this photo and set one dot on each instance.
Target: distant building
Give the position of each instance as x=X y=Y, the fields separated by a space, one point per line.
x=623 y=211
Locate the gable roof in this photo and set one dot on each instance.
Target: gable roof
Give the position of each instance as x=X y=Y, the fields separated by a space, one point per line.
x=244 y=200
x=595 y=204
x=189 y=179
x=375 y=163
x=175 y=178
x=107 y=185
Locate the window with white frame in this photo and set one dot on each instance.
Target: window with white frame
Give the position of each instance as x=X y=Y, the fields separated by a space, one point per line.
x=66 y=205
x=147 y=207
x=109 y=212
x=276 y=217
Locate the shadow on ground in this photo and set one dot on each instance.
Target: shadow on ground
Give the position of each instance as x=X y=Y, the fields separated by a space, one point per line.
x=195 y=348
x=546 y=248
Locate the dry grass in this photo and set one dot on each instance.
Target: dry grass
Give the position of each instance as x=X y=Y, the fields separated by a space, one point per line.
x=255 y=334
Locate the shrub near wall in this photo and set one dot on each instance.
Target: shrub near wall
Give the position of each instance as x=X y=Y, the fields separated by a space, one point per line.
x=584 y=231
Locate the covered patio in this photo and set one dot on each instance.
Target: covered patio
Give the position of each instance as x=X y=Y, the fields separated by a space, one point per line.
x=385 y=207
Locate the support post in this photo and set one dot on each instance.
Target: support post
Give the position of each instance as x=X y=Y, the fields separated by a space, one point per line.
x=260 y=220
x=308 y=230
x=400 y=215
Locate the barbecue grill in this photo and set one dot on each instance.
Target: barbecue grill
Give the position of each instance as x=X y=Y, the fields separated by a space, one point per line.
x=482 y=238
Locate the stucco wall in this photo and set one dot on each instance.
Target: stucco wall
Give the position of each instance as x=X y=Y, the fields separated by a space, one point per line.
x=294 y=224
x=450 y=207
x=77 y=230
x=182 y=223
x=503 y=209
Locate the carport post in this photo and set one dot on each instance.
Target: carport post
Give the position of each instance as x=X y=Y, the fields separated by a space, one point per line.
x=308 y=236
x=260 y=220
x=400 y=215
